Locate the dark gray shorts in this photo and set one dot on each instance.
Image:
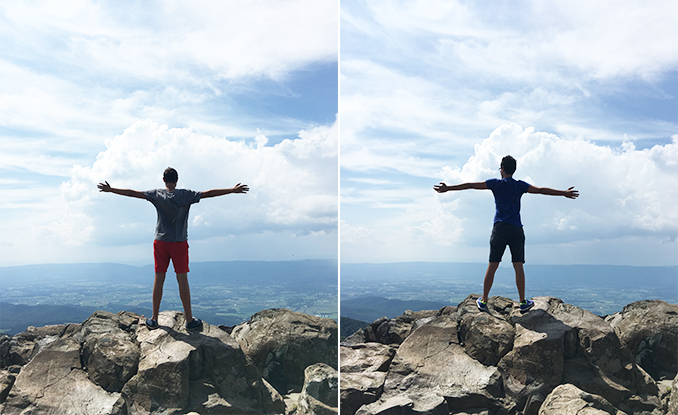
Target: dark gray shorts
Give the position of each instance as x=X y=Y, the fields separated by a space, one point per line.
x=504 y=234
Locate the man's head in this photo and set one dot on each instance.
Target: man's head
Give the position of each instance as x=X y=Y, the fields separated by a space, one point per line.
x=170 y=176
x=508 y=163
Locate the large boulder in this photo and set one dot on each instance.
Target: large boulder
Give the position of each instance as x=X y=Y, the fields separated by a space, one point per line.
x=363 y=373
x=504 y=361
x=110 y=364
x=21 y=348
x=569 y=399
x=485 y=337
x=431 y=372
x=204 y=371
x=650 y=330
x=320 y=395
x=110 y=350
x=54 y=382
x=391 y=331
x=283 y=343
x=582 y=349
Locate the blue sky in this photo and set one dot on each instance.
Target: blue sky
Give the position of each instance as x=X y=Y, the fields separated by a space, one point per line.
x=225 y=92
x=582 y=93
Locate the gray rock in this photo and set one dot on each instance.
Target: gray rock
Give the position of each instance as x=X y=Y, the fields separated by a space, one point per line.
x=540 y=338
x=391 y=331
x=320 y=395
x=358 y=389
x=438 y=366
x=6 y=382
x=363 y=373
x=111 y=365
x=568 y=399
x=366 y=357
x=203 y=371
x=433 y=371
x=283 y=343
x=583 y=350
x=429 y=404
x=22 y=347
x=54 y=382
x=110 y=351
x=672 y=406
x=650 y=330
x=486 y=338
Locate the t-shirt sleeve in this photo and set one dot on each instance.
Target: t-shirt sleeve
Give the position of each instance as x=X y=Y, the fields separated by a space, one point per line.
x=491 y=183
x=523 y=186
x=150 y=194
x=196 y=196
x=189 y=197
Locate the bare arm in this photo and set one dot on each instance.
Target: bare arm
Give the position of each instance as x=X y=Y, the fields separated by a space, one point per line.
x=238 y=188
x=442 y=187
x=105 y=187
x=570 y=193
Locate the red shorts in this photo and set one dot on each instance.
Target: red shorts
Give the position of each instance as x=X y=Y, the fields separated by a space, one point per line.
x=176 y=251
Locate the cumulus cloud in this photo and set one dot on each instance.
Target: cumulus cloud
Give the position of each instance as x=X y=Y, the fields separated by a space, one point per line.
x=623 y=191
x=624 y=213
x=293 y=185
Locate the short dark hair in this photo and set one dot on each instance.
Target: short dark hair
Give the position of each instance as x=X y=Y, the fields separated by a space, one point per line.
x=170 y=175
x=509 y=165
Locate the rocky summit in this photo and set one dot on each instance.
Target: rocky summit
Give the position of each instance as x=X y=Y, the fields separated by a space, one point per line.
x=113 y=364
x=555 y=359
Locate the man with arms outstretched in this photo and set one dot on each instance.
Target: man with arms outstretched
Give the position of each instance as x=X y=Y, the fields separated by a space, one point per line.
x=171 y=236
x=508 y=229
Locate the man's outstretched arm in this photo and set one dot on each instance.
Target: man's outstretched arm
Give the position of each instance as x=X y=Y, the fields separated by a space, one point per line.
x=105 y=187
x=238 y=188
x=570 y=193
x=442 y=187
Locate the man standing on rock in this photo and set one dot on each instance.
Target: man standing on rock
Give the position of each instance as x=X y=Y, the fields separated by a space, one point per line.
x=171 y=236
x=508 y=229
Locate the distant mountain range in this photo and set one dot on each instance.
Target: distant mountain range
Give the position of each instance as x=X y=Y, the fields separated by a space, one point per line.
x=305 y=273
x=371 y=308
x=23 y=284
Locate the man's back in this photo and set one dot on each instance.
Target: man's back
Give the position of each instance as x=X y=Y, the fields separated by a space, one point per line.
x=507 y=193
x=172 y=207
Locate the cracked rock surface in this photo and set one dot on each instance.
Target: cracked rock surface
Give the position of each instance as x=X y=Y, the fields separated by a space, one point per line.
x=458 y=360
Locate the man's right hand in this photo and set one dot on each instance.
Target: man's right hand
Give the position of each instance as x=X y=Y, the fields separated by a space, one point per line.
x=570 y=193
x=240 y=188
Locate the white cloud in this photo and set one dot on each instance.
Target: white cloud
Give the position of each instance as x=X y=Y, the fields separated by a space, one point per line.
x=623 y=191
x=625 y=195
x=293 y=185
x=233 y=39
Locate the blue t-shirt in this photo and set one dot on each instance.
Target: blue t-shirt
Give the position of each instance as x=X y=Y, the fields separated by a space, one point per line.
x=172 y=210
x=507 y=193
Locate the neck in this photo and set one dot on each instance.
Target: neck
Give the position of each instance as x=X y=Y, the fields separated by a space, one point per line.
x=171 y=186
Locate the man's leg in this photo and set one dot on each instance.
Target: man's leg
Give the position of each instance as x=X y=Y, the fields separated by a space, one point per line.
x=489 y=279
x=185 y=294
x=520 y=279
x=157 y=293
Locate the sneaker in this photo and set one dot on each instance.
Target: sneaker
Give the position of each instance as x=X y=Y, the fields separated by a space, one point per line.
x=526 y=305
x=482 y=306
x=195 y=324
x=151 y=324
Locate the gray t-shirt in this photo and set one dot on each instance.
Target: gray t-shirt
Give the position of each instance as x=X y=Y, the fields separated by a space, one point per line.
x=172 y=210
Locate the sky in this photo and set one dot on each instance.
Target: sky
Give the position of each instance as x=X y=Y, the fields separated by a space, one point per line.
x=225 y=92
x=581 y=93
